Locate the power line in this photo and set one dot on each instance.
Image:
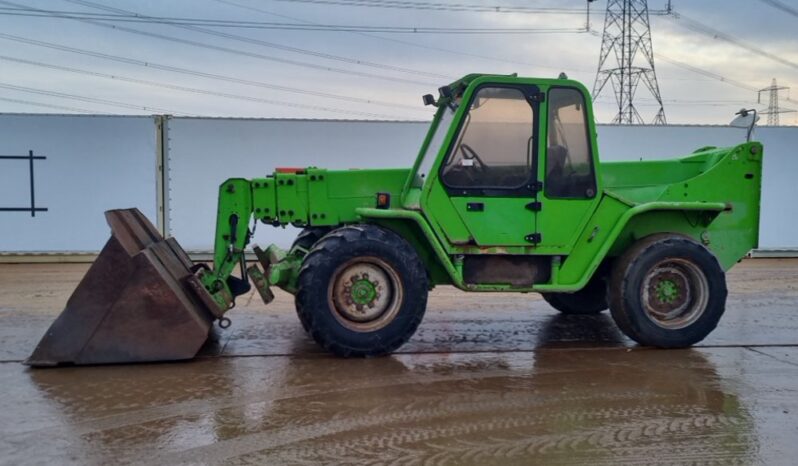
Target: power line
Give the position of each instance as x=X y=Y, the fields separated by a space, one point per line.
x=702 y=28
x=704 y=101
x=186 y=71
x=283 y=47
x=176 y=21
x=461 y=53
x=781 y=6
x=292 y=49
x=42 y=104
x=411 y=5
x=686 y=102
x=235 y=51
x=81 y=98
x=710 y=74
x=703 y=72
x=192 y=89
x=690 y=104
x=436 y=6
x=261 y=24
x=484 y=57
x=675 y=62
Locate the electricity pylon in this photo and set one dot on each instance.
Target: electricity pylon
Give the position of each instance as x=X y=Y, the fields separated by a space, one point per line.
x=627 y=59
x=773 y=103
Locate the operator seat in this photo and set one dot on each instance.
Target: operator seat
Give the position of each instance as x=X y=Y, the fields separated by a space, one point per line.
x=556 y=179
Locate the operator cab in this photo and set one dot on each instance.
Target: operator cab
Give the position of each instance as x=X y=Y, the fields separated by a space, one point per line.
x=510 y=163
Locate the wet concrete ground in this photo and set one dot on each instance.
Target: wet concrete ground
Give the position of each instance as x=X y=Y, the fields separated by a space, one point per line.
x=488 y=379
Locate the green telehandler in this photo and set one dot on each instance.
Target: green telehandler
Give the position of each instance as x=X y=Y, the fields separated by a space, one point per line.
x=507 y=194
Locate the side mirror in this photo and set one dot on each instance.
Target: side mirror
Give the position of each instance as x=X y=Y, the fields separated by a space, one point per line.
x=745 y=119
x=429 y=100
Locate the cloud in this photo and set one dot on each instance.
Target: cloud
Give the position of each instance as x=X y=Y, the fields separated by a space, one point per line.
x=690 y=98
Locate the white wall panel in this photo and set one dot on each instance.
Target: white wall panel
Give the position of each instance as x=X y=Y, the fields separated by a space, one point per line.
x=94 y=163
x=661 y=142
x=779 y=207
x=203 y=152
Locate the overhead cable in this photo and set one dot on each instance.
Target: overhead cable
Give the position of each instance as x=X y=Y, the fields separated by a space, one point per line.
x=269 y=44
x=190 y=72
x=176 y=21
x=46 y=105
x=245 y=53
x=95 y=100
x=459 y=52
x=193 y=90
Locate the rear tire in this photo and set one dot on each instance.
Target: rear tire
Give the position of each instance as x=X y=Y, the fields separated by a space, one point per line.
x=362 y=291
x=667 y=291
x=590 y=300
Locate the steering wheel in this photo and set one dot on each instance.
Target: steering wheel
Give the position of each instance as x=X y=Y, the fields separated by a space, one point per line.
x=470 y=154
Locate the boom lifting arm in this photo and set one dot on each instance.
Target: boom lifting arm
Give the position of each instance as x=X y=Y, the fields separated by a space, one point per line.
x=238 y=205
x=235 y=210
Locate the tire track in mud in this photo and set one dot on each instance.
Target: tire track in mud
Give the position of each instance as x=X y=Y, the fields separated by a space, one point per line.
x=201 y=406
x=396 y=447
x=502 y=449
x=437 y=400
x=432 y=406
x=95 y=392
x=279 y=438
x=429 y=400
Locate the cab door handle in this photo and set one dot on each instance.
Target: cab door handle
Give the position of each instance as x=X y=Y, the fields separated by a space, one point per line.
x=475 y=207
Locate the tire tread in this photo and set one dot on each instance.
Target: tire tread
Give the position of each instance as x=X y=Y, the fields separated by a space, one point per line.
x=337 y=242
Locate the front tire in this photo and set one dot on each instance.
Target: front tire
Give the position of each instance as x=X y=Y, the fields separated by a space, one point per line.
x=667 y=291
x=302 y=245
x=362 y=291
x=307 y=238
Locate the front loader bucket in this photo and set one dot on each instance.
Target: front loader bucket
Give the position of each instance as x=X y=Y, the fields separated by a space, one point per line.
x=133 y=305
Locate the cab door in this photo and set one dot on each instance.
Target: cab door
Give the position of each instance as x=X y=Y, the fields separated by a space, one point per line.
x=570 y=186
x=489 y=172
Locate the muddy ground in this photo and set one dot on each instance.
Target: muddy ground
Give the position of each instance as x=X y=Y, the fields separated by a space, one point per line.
x=488 y=379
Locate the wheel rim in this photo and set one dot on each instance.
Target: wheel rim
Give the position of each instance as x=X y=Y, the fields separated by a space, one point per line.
x=365 y=294
x=675 y=293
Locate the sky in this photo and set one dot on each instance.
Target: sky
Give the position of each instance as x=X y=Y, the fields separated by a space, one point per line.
x=724 y=50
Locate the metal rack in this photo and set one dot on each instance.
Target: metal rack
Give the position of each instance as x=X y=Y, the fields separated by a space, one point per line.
x=32 y=208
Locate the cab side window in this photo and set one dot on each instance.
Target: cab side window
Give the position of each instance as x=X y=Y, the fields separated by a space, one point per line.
x=569 y=162
x=495 y=146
